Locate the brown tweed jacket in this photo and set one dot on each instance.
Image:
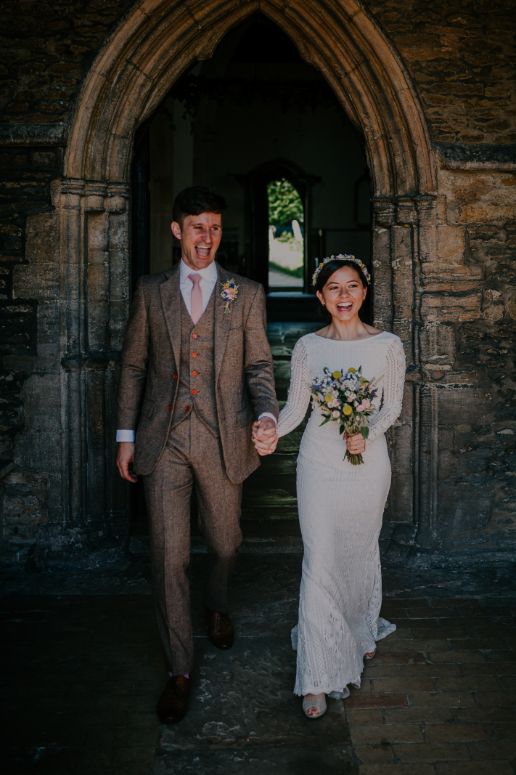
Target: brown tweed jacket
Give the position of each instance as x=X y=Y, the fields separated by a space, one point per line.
x=244 y=380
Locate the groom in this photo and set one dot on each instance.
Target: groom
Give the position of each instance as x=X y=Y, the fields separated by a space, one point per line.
x=196 y=371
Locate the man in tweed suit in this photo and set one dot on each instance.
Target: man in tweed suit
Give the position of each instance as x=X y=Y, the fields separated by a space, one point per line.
x=196 y=372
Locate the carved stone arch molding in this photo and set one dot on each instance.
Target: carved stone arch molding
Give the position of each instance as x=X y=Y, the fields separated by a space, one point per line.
x=155 y=43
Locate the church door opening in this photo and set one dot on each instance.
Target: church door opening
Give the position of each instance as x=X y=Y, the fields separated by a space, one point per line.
x=263 y=128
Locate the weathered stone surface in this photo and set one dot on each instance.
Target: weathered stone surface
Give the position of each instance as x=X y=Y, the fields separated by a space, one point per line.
x=442 y=255
x=483 y=197
x=458 y=55
x=447 y=308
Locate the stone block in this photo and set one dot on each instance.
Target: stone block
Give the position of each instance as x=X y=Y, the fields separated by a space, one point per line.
x=419 y=752
x=374 y=753
x=450 y=244
x=386 y=733
x=448 y=308
x=36 y=280
x=479 y=196
x=510 y=303
x=475 y=767
x=437 y=342
x=23 y=506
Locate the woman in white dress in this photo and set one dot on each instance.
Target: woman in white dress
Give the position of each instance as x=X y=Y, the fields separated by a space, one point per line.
x=340 y=504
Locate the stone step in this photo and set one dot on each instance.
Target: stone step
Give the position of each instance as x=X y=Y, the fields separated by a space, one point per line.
x=269 y=494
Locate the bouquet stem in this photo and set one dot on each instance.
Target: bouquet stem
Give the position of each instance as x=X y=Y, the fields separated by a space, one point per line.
x=355 y=460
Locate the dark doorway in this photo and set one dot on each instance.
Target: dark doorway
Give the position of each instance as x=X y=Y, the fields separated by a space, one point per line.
x=253 y=115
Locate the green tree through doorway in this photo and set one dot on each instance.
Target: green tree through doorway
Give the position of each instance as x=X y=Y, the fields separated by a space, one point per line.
x=286 y=236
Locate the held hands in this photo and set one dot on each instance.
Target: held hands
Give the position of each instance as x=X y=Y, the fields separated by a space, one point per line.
x=124 y=459
x=355 y=444
x=265 y=436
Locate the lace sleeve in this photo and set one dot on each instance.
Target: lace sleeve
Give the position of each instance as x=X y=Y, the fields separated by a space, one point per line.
x=298 y=393
x=393 y=382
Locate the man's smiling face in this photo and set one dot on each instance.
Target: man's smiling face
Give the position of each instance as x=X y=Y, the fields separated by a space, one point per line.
x=200 y=237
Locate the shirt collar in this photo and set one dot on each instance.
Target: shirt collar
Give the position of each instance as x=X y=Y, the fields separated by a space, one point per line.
x=209 y=273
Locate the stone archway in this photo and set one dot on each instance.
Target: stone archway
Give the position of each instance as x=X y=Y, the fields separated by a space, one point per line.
x=150 y=49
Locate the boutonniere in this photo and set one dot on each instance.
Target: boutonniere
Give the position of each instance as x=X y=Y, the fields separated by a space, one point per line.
x=229 y=293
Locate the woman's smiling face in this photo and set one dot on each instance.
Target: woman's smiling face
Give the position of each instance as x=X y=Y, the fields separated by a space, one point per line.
x=343 y=294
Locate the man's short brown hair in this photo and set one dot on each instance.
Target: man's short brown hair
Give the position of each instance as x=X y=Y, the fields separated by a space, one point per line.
x=196 y=200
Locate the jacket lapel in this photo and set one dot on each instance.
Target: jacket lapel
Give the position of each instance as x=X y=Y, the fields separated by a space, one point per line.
x=170 y=293
x=222 y=320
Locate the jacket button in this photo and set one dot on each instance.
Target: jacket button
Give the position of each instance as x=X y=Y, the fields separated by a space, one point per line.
x=175 y=376
x=195 y=373
x=195 y=391
x=195 y=354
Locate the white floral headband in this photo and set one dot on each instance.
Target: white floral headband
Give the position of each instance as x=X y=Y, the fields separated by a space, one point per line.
x=342 y=257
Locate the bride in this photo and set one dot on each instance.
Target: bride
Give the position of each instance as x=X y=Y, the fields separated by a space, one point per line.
x=340 y=504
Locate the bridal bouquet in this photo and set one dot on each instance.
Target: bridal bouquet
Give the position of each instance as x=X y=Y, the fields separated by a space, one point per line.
x=347 y=398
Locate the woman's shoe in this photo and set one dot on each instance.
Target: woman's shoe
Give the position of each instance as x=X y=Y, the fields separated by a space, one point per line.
x=314 y=705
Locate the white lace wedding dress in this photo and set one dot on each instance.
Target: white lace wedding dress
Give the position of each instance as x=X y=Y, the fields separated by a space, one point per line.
x=340 y=512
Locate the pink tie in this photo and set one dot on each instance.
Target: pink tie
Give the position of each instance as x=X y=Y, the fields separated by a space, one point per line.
x=196 y=303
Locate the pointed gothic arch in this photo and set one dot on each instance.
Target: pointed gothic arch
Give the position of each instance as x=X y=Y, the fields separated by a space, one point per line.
x=151 y=48
x=159 y=40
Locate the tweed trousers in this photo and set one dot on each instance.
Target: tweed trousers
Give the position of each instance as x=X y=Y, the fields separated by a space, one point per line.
x=191 y=459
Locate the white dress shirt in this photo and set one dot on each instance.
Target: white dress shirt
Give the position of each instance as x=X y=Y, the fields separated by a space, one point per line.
x=207 y=283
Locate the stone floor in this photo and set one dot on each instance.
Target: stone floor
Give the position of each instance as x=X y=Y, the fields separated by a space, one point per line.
x=82 y=668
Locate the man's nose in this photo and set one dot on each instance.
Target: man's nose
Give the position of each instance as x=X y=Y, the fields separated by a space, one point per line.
x=206 y=236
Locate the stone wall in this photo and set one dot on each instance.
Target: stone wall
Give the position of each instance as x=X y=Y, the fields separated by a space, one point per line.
x=478 y=467
x=460 y=59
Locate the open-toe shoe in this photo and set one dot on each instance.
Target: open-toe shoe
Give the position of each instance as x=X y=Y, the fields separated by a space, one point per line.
x=314 y=705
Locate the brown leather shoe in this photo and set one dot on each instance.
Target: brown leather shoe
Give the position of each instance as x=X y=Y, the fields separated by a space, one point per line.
x=220 y=629
x=173 y=703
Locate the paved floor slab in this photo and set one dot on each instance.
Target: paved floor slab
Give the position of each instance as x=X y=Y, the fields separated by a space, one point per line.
x=243 y=711
x=82 y=669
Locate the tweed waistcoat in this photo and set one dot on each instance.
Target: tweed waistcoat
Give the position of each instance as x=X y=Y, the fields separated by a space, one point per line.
x=196 y=375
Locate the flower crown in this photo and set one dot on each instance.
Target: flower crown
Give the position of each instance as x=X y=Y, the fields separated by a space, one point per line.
x=342 y=257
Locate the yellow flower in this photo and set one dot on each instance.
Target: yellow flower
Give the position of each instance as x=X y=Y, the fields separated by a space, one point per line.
x=347 y=410
x=328 y=398
x=352 y=370
x=336 y=374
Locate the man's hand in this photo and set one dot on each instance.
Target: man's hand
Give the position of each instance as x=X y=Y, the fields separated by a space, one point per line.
x=265 y=436
x=124 y=459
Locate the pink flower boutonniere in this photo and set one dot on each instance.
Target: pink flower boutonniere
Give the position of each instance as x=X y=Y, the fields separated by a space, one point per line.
x=229 y=293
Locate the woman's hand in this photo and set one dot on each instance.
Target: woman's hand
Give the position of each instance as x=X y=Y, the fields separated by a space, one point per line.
x=265 y=436
x=355 y=444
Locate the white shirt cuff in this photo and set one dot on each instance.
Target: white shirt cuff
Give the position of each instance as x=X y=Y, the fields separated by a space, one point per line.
x=125 y=436
x=268 y=414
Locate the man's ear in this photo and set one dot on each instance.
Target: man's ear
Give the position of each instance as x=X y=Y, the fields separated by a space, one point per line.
x=175 y=228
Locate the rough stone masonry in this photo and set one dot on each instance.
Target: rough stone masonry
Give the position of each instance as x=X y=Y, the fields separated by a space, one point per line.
x=449 y=269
